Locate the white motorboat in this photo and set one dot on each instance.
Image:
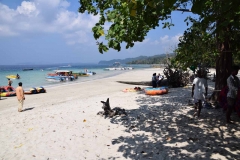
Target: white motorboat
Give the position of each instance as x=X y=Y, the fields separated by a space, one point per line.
x=117 y=66
x=60 y=76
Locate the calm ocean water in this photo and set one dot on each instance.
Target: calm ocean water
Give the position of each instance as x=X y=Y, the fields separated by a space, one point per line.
x=37 y=76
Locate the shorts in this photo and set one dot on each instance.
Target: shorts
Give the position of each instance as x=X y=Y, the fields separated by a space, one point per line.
x=195 y=100
x=231 y=101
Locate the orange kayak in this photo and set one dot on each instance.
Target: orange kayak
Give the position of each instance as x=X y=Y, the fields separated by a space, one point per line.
x=156 y=91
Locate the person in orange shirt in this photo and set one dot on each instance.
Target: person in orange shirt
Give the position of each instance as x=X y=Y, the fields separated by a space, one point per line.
x=20 y=96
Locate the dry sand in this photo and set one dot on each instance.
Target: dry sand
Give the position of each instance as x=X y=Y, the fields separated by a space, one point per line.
x=63 y=124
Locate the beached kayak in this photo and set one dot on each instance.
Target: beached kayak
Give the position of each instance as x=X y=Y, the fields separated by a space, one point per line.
x=36 y=90
x=156 y=91
x=7 y=91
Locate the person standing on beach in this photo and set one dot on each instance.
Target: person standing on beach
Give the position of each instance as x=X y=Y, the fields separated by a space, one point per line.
x=154 y=80
x=9 y=82
x=233 y=84
x=159 y=79
x=198 y=88
x=20 y=96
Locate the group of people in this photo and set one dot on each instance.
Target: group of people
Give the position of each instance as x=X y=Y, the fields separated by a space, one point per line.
x=156 y=80
x=200 y=91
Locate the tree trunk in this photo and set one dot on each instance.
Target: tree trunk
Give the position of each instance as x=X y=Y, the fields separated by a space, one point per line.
x=223 y=69
x=223 y=63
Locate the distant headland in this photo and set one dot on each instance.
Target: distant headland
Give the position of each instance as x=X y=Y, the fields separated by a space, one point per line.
x=140 y=60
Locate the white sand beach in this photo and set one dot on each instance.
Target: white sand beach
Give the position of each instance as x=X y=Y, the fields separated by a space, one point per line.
x=63 y=124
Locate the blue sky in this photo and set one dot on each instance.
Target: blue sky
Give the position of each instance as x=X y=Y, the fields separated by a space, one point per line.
x=52 y=31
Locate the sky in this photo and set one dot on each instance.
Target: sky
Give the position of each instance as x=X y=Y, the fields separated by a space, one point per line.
x=52 y=31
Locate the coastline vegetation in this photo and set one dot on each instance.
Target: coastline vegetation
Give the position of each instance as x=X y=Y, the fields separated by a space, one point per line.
x=161 y=59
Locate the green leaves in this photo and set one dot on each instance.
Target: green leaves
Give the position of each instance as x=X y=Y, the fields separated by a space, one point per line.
x=169 y=3
x=102 y=48
x=130 y=20
x=198 y=6
x=97 y=31
x=197 y=46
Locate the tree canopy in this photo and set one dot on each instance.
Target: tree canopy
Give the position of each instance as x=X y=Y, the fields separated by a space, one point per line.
x=131 y=20
x=214 y=36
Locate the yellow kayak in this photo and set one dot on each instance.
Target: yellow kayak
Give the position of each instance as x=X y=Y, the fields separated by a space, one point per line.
x=11 y=76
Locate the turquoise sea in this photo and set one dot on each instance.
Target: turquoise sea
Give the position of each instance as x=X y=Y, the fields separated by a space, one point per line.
x=37 y=76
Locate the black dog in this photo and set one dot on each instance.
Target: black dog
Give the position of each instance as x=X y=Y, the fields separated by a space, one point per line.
x=111 y=112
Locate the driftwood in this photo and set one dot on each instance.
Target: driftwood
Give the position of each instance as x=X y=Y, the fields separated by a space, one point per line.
x=108 y=112
x=144 y=83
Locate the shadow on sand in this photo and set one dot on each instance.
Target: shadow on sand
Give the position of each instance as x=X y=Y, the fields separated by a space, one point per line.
x=163 y=128
x=27 y=109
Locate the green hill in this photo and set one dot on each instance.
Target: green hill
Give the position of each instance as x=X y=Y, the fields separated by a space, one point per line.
x=140 y=60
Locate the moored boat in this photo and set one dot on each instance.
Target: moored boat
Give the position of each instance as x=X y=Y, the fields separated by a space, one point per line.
x=117 y=66
x=7 y=91
x=41 y=90
x=27 y=69
x=61 y=76
x=84 y=74
x=32 y=90
x=36 y=90
x=90 y=73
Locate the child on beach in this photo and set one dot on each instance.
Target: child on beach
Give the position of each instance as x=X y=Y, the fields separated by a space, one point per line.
x=198 y=88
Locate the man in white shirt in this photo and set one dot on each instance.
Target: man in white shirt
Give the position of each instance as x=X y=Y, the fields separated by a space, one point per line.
x=233 y=84
x=199 y=87
x=159 y=79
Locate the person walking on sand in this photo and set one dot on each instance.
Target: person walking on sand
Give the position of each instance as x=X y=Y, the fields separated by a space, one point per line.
x=233 y=84
x=9 y=82
x=199 y=86
x=20 y=96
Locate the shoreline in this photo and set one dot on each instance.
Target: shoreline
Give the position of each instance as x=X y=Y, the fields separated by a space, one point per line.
x=36 y=78
x=63 y=124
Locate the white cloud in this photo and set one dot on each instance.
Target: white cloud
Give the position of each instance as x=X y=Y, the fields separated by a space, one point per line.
x=6 y=14
x=167 y=40
x=143 y=42
x=46 y=16
x=28 y=9
x=4 y=31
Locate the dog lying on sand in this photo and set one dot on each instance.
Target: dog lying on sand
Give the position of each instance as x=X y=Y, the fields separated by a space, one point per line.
x=111 y=112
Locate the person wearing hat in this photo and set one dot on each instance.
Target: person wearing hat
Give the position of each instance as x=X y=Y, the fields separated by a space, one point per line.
x=20 y=96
